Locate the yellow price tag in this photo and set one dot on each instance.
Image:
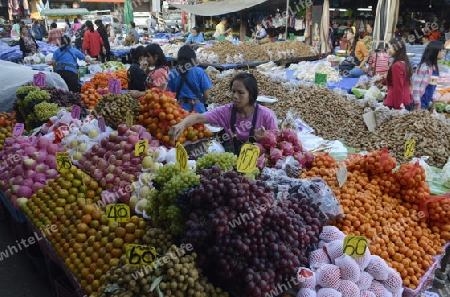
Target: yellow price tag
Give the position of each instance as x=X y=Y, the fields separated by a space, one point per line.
x=247 y=159
x=140 y=255
x=410 y=147
x=63 y=162
x=182 y=157
x=118 y=213
x=355 y=246
x=129 y=119
x=141 y=147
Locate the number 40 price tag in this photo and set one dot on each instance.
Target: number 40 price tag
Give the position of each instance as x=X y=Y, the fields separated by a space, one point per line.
x=139 y=255
x=118 y=212
x=355 y=246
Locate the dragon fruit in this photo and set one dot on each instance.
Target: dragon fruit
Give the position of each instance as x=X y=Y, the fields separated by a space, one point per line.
x=309 y=158
x=290 y=136
x=261 y=162
x=275 y=155
x=300 y=158
x=269 y=139
x=287 y=148
x=298 y=147
x=262 y=149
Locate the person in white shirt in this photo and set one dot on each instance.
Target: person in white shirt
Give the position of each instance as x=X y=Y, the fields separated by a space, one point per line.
x=260 y=32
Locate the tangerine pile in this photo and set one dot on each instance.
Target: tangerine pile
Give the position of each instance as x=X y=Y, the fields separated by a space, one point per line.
x=101 y=79
x=373 y=207
x=90 y=95
x=159 y=112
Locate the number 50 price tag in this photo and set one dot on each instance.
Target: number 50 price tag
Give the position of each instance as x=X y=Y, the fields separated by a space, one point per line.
x=247 y=159
x=355 y=246
x=139 y=255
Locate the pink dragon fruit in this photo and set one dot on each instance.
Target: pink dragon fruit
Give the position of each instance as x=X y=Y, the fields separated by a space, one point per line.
x=298 y=147
x=309 y=158
x=290 y=136
x=287 y=148
x=262 y=149
x=275 y=155
x=269 y=139
x=300 y=158
x=261 y=162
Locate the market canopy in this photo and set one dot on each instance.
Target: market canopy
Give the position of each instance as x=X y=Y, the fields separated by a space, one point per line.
x=104 y=1
x=218 y=8
x=54 y=13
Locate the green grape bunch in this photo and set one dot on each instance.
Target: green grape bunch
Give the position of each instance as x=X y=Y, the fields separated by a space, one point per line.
x=226 y=161
x=36 y=95
x=26 y=89
x=45 y=111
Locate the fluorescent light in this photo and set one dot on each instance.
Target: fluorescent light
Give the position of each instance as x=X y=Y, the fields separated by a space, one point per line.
x=337 y=9
x=364 y=9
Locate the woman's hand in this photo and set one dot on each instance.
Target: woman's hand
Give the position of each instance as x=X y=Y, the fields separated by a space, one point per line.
x=176 y=131
x=104 y=50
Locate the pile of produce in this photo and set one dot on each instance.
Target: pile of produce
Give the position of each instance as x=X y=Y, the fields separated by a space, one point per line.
x=430 y=133
x=306 y=71
x=7 y=122
x=300 y=48
x=26 y=164
x=179 y=277
x=90 y=95
x=334 y=272
x=244 y=237
x=112 y=66
x=159 y=112
x=64 y=98
x=373 y=202
x=225 y=49
x=101 y=79
x=377 y=81
x=115 y=107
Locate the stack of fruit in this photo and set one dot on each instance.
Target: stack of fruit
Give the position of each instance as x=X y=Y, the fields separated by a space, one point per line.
x=7 y=121
x=159 y=112
x=90 y=95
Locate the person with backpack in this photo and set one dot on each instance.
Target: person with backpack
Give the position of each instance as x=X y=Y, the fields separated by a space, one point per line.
x=425 y=79
x=399 y=77
x=79 y=37
x=190 y=82
x=65 y=63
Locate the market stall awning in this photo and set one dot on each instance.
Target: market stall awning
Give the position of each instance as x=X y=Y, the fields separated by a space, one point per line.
x=52 y=13
x=218 y=8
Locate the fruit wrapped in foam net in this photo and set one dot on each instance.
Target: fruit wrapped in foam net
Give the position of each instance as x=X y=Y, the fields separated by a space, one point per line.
x=306 y=278
x=349 y=268
x=364 y=260
x=378 y=268
x=394 y=282
x=304 y=292
x=365 y=280
x=331 y=233
x=348 y=288
x=334 y=249
x=318 y=258
x=328 y=292
x=328 y=276
x=379 y=290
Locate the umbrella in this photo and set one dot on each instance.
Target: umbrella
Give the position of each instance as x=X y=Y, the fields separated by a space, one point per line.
x=128 y=12
x=324 y=27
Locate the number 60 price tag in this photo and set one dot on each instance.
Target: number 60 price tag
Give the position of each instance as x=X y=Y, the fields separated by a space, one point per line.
x=355 y=246
x=140 y=255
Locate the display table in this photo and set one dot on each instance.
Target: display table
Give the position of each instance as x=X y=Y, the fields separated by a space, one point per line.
x=221 y=67
x=347 y=83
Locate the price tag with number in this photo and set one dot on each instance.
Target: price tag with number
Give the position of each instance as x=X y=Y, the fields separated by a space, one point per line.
x=129 y=120
x=247 y=159
x=355 y=246
x=114 y=86
x=320 y=79
x=63 y=162
x=18 y=129
x=118 y=212
x=102 y=124
x=182 y=157
x=76 y=112
x=410 y=147
x=141 y=147
x=140 y=255
x=39 y=80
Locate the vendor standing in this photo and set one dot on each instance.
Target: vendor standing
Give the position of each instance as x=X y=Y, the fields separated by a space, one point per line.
x=54 y=35
x=220 y=28
x=27 y=44
x=65 y=63
x=241 y=120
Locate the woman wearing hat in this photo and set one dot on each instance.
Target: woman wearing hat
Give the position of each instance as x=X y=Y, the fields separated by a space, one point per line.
x=65 y=63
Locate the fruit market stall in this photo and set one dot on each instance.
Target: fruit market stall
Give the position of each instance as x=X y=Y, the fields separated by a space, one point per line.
x=126 y=212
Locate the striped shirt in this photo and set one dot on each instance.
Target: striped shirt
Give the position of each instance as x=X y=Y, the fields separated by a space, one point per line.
x=382 y=61
x=420 y=81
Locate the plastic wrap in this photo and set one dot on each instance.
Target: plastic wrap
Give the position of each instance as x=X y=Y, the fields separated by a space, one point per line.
x=429 y=173
x=446 y=174
x=291 y=166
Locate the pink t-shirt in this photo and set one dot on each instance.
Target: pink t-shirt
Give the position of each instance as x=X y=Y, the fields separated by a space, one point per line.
x=221 y=116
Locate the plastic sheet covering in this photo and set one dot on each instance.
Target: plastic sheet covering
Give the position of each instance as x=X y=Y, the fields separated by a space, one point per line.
x=14 y=76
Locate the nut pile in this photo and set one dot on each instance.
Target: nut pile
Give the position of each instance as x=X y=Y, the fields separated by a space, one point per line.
x=250 y=50
x=115 y=107
x=300 y=47
x=432 y=137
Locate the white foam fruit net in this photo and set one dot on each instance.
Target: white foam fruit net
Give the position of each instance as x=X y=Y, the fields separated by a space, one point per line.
x=365 y=280
x=349 y=268
x=328 y=276
x=328 y=292
x=317 y=258
x=364 y=260
x=378 y=289
x=334 y=249
x=393 y=283
x=378 y=268
x=331 y=233
x=367 y=294
x=348 y=288
x=304 y=292
x=306 y=278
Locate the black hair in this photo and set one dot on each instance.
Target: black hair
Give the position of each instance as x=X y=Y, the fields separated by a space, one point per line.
x=186 y=56
x=68 y=22
x=75 y=20
x=400 y=56
x=356 y=38
x=136 y=53
x=133 y=24
x=153 y=49
x=89 y=25
x=250 y=84
x=197 y=29
x=21 y=28
x=430 y=54
x=53 y=25
x=224 y=19
x=65 y=41
x=100 y=24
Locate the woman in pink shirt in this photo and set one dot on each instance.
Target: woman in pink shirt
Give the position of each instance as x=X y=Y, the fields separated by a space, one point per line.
x=241 y=120
x=399 y=77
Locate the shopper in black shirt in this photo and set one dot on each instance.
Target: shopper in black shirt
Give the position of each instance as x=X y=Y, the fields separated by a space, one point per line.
x=102 y=31
x=136 y=75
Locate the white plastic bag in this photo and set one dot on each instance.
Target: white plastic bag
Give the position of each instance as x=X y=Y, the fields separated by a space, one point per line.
x=429 y=174
x=446 y=174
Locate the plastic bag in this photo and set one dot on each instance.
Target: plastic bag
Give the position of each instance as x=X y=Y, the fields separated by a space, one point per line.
x=94 y=68
x=446 y=174
x=429 y=173
x=291 y=166
x=319 y=191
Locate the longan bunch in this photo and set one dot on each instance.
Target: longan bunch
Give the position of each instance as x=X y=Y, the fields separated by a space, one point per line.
x=130 y=282
x=158 y=238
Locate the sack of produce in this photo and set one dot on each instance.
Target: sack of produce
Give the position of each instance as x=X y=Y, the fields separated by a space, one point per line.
x=378 y=268
x=306 y=278
x=331 y=233
x=328 y=292
x=349 y=268
x=437 y=209
x=306 y=293
x=365 y=280
x=328 y=276
x=348 y=288
x=429 y=173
